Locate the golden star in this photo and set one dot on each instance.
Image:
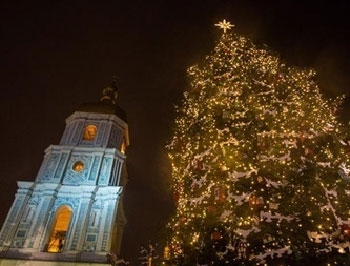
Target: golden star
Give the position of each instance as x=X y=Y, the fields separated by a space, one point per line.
x=225 y=25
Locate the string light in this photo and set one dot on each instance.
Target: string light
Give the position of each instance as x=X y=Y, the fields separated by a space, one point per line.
x=256 y=149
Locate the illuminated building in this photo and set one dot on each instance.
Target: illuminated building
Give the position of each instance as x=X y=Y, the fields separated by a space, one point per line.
x=73 y=210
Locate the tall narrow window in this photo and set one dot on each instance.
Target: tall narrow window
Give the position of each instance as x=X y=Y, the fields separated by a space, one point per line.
x=93 y=218
x=58 y=236
x=123 y=147
x=28 y=215
x=90 y=132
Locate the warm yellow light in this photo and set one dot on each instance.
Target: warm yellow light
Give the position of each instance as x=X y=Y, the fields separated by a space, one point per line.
x=57 y=239
x=90 y=132
x=78 y=166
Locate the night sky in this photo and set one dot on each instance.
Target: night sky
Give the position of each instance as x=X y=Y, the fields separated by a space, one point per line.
x=57 y=54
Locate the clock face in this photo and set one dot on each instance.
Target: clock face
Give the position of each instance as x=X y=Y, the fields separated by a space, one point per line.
x=78 y=166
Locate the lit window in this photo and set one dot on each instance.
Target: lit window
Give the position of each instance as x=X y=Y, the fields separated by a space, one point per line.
x=123 y=147
x=90 y=132
x=58 y=235
x=78 y=166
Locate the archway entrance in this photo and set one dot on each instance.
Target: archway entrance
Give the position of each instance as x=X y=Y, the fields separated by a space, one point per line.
x=58 y=236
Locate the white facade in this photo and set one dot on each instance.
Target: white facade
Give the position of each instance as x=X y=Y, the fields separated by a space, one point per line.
x=73 y=210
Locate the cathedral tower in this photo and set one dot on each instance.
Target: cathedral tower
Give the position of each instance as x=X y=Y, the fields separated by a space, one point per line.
x=73 y=210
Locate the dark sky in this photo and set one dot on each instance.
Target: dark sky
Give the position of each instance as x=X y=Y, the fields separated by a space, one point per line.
x=57 y=54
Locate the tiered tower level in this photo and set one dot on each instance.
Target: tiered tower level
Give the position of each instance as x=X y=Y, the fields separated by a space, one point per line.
x=73 y=210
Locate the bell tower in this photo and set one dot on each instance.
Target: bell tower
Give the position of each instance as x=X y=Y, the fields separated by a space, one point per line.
x=73 y=211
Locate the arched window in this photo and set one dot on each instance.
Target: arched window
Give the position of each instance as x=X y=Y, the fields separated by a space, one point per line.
x=90 y=132
x=58 y=236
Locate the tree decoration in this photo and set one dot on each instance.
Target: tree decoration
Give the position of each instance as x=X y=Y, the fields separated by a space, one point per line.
x=276 y=172
x=346 y=231
x=268 y=238
x=242 y=250
x=224 y=25
x=176 y=196
x=256 y=202
x=197 y=164
x=216 y=235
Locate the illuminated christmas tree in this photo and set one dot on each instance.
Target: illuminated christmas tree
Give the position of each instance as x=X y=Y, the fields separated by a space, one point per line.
x=260 y=164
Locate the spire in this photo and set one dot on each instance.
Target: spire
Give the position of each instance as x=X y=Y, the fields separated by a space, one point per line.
x=110 y=93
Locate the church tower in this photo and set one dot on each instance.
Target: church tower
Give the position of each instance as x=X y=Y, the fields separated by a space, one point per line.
x=73 y=211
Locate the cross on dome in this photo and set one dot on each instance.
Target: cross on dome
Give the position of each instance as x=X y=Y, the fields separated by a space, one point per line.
x=110 y=93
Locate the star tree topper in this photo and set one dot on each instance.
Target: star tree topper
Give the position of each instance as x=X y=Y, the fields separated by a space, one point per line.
x=224 y=25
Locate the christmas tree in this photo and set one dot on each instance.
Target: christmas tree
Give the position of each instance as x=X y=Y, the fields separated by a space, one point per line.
x=260 y=163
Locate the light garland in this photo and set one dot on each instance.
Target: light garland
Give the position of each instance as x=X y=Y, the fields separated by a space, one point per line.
x=255 y=138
